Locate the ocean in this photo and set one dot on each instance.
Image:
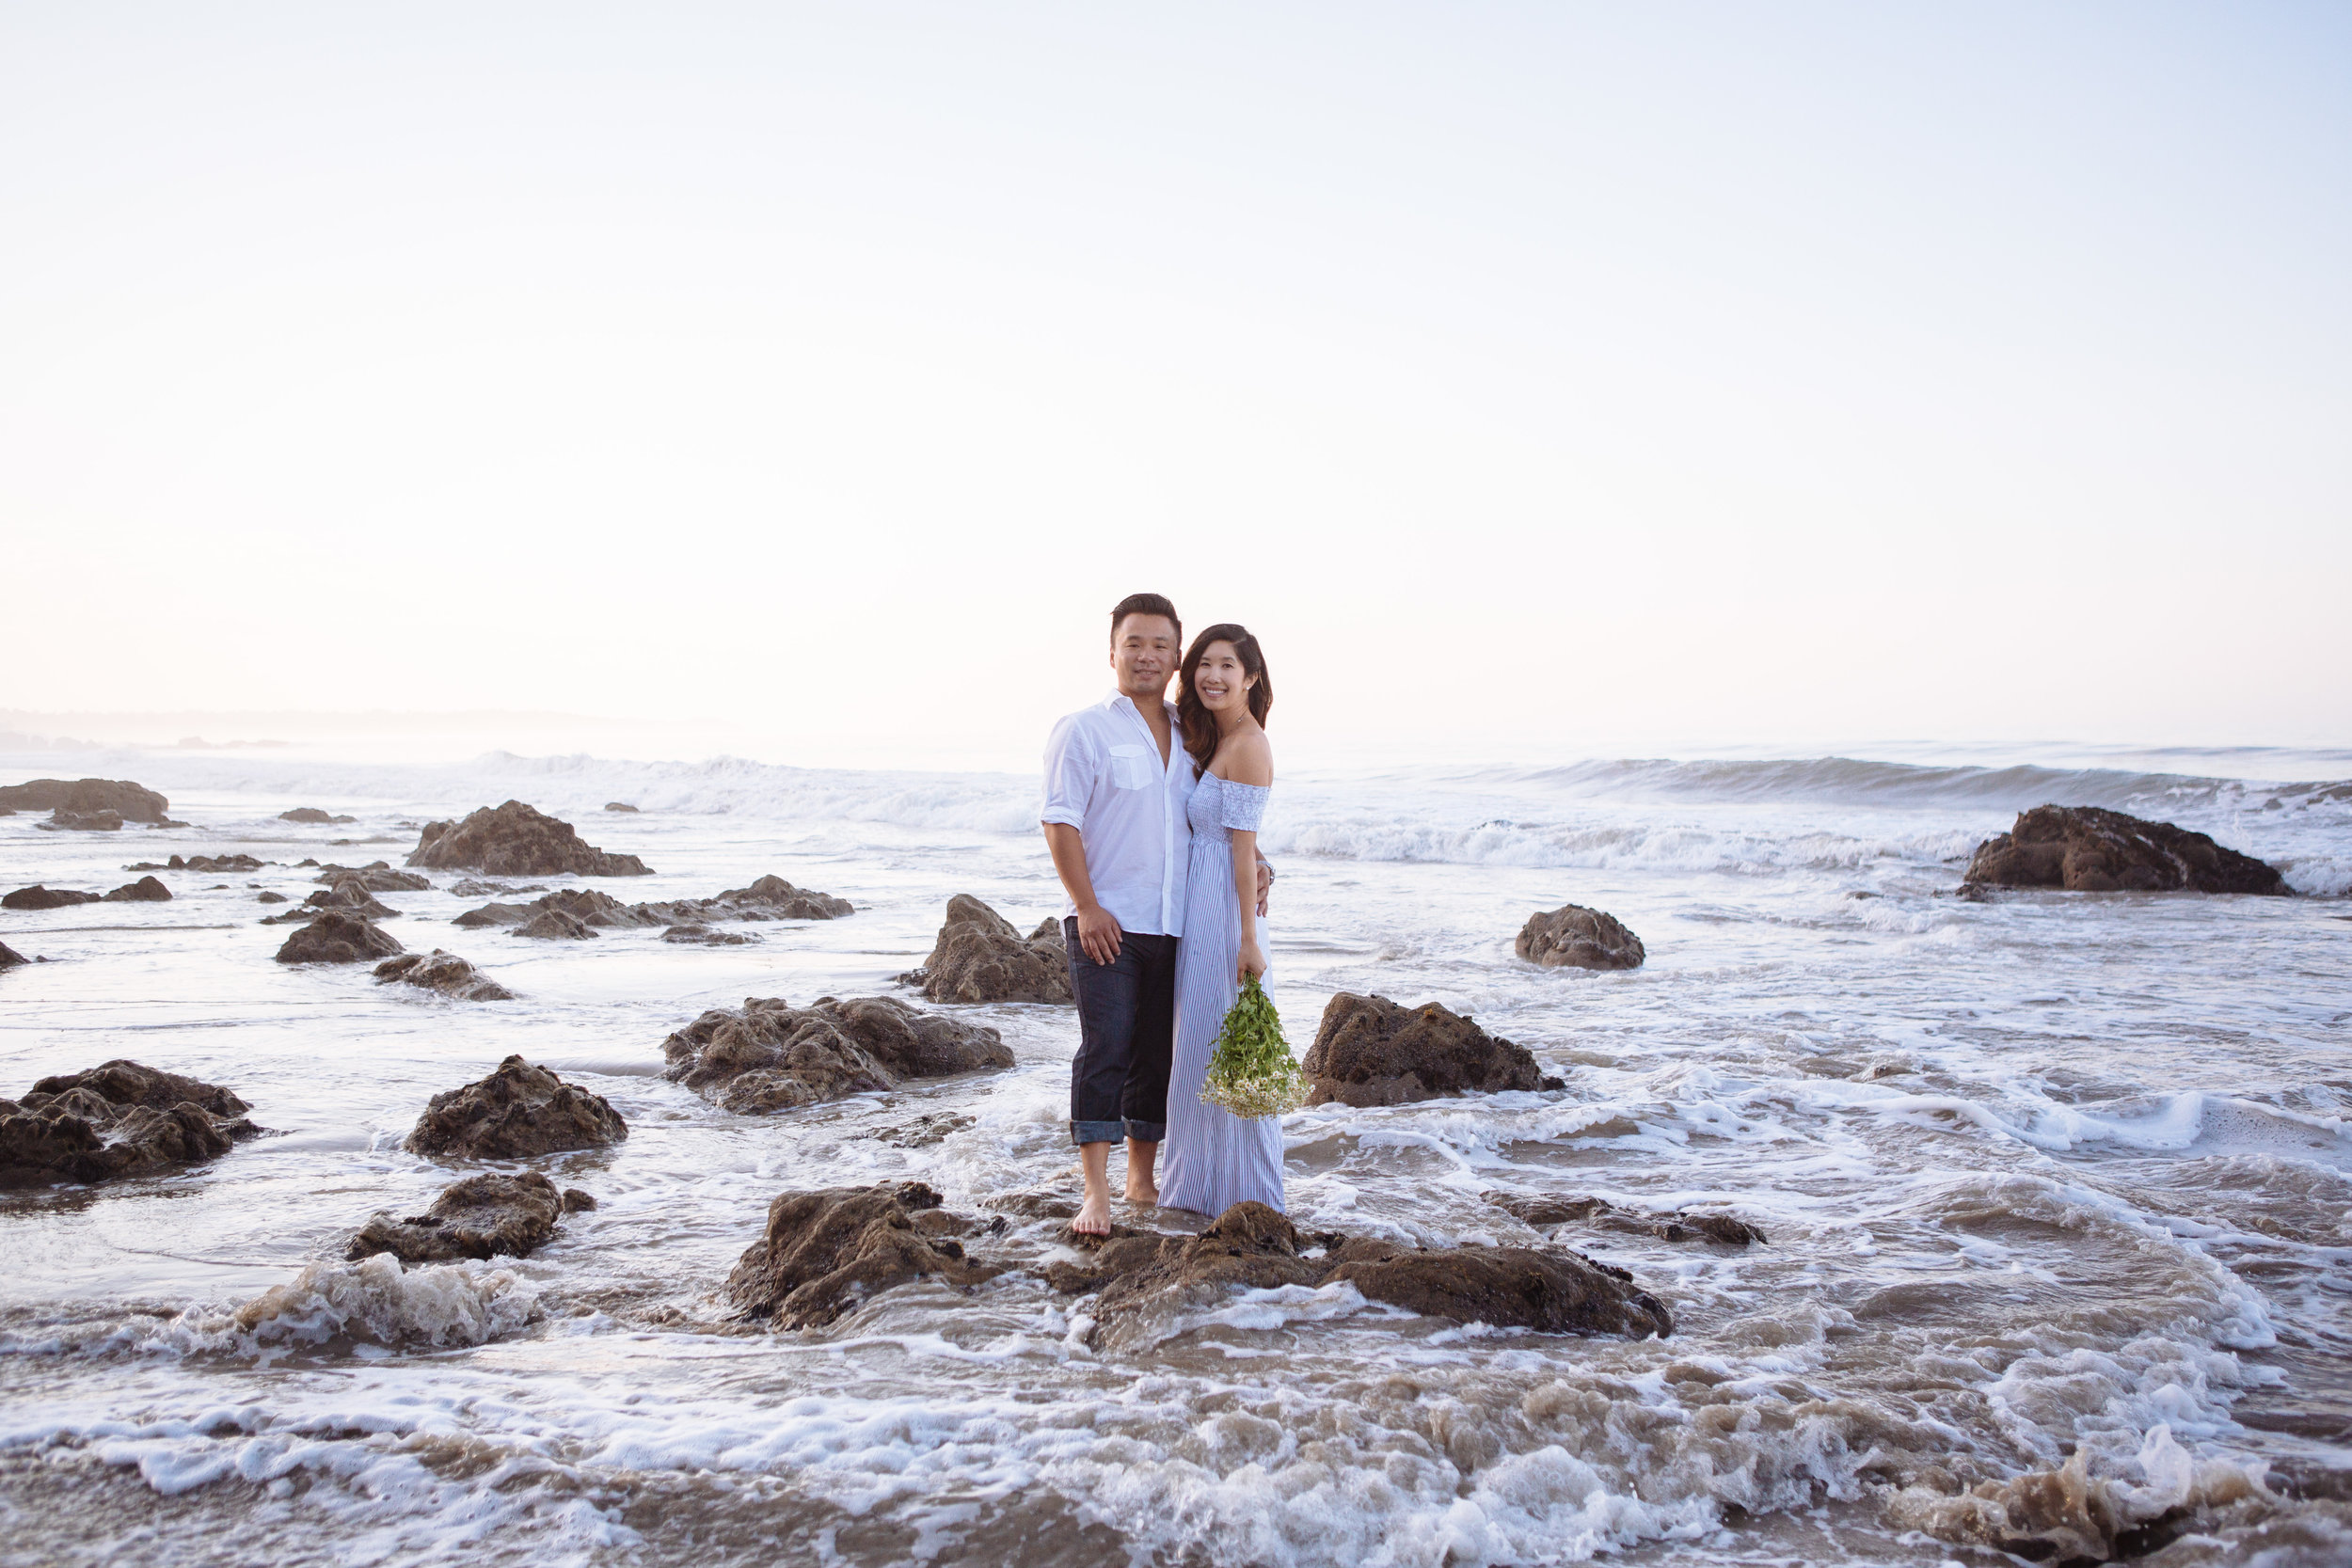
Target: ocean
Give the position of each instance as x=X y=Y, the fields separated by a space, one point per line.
x=2055 y=1189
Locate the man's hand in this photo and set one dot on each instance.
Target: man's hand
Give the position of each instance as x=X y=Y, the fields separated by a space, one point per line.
x=1266 y=885
x=1099 y=935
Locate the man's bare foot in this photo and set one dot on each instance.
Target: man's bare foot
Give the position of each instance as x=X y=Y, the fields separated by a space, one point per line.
x=1149 y=1196
x=1094 y=1216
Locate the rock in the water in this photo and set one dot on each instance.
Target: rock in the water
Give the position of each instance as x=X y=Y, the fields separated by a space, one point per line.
x=771 y=897
x=117 y=1119
x=312 y=814
x=1149 y=1284
x=87 y=797
x=770 y=1056
x=768 y=898
x=349 y=897
x=336 y=938
x=1574 y=937
x=445 y=973
x=11 y=957
x=704 y=936
x=1371 y=1051
x=515 y=840
x=269 y=898
x=83 y=822
x=576 y=1202
x=483 y=1216
x=1680 y=1225
x=2090 y=849
x=619 y=805
x=824 y=1252
x=555 y=925
x=40 y=897
x=516 y=1112
x=979 y=957
x=147 y=890
x=200 y=862
x=376 y=876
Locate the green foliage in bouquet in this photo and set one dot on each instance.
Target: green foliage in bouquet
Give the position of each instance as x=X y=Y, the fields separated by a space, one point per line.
x=1251 y=1073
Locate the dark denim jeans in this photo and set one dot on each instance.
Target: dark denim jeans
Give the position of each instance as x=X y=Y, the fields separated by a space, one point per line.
x=1126 y=1036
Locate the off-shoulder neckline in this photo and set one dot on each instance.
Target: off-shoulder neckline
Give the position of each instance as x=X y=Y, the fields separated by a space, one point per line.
x=1221 y=778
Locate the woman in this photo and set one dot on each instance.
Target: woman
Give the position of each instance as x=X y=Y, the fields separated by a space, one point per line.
x=1215 y=1158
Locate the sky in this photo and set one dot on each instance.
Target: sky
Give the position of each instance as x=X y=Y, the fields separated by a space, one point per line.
x=1534 y=380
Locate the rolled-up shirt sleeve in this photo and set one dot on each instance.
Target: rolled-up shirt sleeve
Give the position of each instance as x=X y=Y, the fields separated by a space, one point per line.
x=1069 y=769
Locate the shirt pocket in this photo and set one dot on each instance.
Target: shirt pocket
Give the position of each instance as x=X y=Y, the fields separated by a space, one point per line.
x=1131 y=767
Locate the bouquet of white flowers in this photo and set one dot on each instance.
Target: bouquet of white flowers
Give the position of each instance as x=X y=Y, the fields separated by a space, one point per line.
x=1251 y=1073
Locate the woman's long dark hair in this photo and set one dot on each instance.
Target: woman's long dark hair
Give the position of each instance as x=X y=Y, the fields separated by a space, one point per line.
x=1200 y=732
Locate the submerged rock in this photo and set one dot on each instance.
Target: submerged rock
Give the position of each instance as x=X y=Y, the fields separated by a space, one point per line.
x=705 y=936
x=979 y=957
x=200 y=862
x=555 y=925
x=40 y=897
x=516 y=1112
x=1574 y=937
x=483 y=1216
x=312 y=815
x=2090 y=850
x=11 y=957
x=147 y=890
x=1369 y=1051
x=768 y=898
x=269 y=898
x=1149 y=1284
x=336 y=938
x=770 y=1056
x=87 y=797
x=376 y=876
x=515 y=840
x=350 y=898
x=120 y=1118
x=824 y=1252
x=83 y=822
x=1679 y=1225
x=445 y=973
x=620 y=805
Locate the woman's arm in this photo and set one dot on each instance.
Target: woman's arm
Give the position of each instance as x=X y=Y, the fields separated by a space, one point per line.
x=1246 y=892
x=1251 y=761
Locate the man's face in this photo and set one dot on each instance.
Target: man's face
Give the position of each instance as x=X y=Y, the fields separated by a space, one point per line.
x=1144 y=653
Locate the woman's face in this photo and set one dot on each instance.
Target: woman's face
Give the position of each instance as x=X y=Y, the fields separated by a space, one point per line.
x=1218 y=679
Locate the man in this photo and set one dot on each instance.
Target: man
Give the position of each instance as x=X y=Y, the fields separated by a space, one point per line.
x=1116 y=785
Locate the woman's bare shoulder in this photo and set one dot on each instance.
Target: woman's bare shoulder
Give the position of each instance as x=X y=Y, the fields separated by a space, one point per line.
x=1248 y=759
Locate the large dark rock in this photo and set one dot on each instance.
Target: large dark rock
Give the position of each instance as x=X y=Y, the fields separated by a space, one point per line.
x=515 y=840
x=1574 y=937
x=117 y=1119
x=516 y=1112
x=83 y=822
x=445 y=973
x=770 y=1056
x=40 y=897
x=979 y=957
x=483 y=1216
x=823 y=1253
x=336 y=938
x=147 y=890
x=312 y=815
x=1371 y=1051
x=87 y=797
x=1149 y=1283
x=2090 y=849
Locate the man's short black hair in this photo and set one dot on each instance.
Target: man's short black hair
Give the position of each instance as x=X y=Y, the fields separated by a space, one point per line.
x=1146 y=604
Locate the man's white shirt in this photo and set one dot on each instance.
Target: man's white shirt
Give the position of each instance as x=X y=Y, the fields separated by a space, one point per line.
x=1103 y=777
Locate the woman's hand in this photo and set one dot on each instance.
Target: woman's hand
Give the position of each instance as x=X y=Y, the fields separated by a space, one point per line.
x=1253 y=959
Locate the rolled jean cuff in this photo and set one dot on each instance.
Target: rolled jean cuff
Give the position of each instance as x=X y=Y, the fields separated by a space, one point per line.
x=1084 y=1132
x=1145 y=1132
